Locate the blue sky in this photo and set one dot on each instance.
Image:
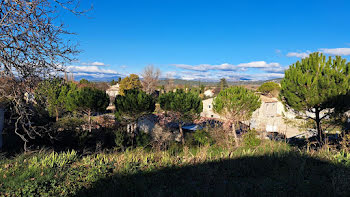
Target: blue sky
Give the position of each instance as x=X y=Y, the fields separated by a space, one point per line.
x=206 y=40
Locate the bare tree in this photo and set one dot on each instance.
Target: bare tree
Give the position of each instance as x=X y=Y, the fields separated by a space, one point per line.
x=170 y=85
x=150 y=79
x=32 y=47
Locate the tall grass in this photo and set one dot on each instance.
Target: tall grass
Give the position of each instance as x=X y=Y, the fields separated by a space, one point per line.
x=66 y=173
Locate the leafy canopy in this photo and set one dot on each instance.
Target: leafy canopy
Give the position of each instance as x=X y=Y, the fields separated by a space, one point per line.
x=187 y=104
x=130 y=82
x=133 y=104
x=315 y=83
x=236 y=103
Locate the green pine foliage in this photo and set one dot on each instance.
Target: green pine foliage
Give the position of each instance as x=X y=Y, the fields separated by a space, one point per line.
x=187 y=104
x=87 y=100
x=236 y=103
x=52 y=94
x=316 y=83
x=133 y=104
x=269 y=88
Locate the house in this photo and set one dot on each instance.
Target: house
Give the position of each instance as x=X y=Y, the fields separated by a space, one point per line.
x=209 y=93
x=270 y=117
x=273 y=117
x=113 y=91
x=208 y=109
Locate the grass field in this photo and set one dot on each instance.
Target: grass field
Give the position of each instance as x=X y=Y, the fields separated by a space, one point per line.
x=269 y=169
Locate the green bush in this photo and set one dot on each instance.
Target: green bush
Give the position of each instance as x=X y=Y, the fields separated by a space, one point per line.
x=250 y=139
x=175 y=148
x=119 y=139
x=202 y=137
x=143 y=139
x=70 y=123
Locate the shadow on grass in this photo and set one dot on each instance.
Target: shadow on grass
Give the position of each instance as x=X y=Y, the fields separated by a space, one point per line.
x=287 y=175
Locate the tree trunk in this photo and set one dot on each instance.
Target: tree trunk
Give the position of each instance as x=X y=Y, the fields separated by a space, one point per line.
x=2 y=119
x=182 y=134
x=234 y=133
x=318 y=125
x=56 y=115
x=89 y=120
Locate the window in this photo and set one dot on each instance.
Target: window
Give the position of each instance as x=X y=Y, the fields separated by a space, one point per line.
x=209 y=106
x=212 y=116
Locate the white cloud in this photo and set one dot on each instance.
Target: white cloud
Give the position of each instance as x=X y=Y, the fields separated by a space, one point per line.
x=336 y=51
x=228 y=67
x=229 y=75
x=89 y=69
x=258 y=64
x=93 y=64
x=299 y=55
x=206 y=67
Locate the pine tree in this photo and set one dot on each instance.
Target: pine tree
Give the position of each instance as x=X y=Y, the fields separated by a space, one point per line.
x=314 y=84
x=186 y=106
x=87 y=100
x=52 y=94
x=269 y=88
x=236 y=104
x=133 y=104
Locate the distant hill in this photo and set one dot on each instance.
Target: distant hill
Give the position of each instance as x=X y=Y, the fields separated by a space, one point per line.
x=214 y=83
x=178 y=81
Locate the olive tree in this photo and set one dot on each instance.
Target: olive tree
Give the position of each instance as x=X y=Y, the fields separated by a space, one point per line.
x=186 y=106
x=236 y=104
x=316 y=84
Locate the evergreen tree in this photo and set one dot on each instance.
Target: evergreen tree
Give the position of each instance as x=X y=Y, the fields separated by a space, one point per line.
x=222 y=84
x=236 y=104
x=53 y=94
x=314 y=84
x=269 y=88
x=87 y=100
x=186 y=106
x=130 y=82
x=133 y=104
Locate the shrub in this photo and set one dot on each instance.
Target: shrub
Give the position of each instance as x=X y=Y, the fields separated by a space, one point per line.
x=143 y=139
x=119 y=139
x=250 y=139
x=175 y=148
x=202 y=137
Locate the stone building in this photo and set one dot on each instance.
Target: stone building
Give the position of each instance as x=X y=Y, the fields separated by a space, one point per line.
x=208 y=109
x=270 y=117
